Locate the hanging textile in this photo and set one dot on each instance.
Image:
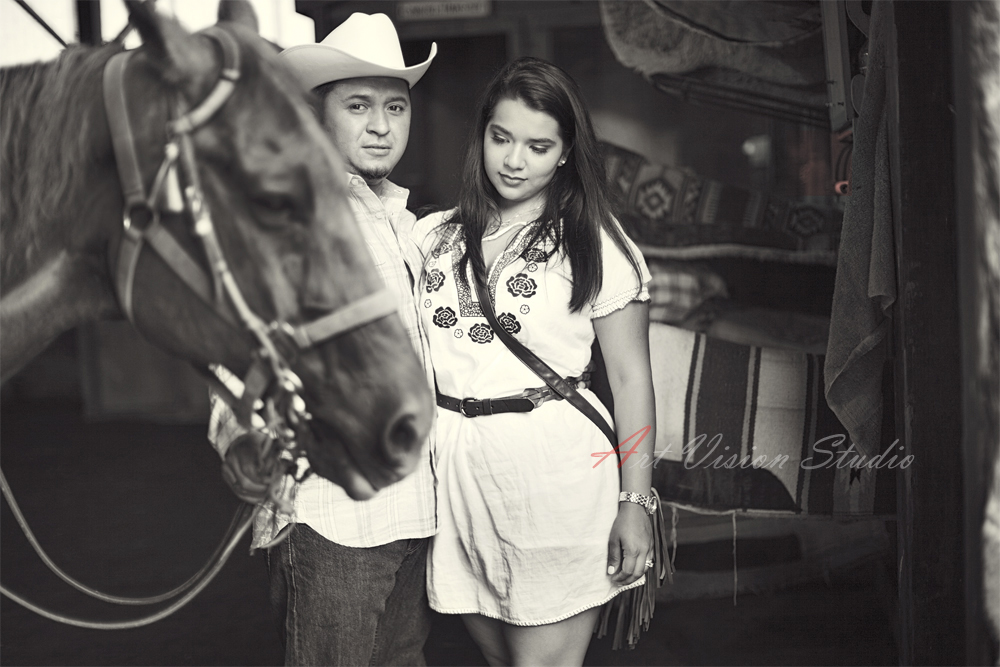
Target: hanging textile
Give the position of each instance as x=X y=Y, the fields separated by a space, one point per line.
x=757 y=56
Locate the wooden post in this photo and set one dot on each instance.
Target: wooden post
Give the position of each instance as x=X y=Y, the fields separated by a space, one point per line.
x=927 y=345
x=974 y=29
x=88 y=21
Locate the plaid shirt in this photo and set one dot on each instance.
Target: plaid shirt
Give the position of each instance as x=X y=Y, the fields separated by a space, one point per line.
x=403 y=510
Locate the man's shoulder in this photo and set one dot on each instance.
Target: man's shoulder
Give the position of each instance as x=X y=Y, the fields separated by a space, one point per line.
x=430 y=222
x=405 y=222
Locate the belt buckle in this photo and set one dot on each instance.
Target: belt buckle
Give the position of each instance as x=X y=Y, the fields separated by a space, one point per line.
x=536 y=396
x=461 y=407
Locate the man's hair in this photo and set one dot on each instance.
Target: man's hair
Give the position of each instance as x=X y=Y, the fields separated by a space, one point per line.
x=318 y=99
x=577 y=202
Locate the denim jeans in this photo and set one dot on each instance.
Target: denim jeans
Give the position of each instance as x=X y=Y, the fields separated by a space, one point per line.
x=342 y=605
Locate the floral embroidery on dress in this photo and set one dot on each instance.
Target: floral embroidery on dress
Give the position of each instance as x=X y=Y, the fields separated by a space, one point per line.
x=481 y=333
x=521 y=285
x=534 y=255
x=435 y=278
x=427 y=303
x=444 y=317
x=531 y=266
x=441 y=249
x=525 y=309
x=509 y=323
x=468 y=305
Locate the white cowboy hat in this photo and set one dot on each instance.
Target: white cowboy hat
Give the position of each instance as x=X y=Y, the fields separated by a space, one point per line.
x=363 y=45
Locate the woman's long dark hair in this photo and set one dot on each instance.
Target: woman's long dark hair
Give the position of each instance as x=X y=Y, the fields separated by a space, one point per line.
x=577 y=194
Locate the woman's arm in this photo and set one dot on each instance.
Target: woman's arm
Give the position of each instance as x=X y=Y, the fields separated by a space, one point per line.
x=624 y=339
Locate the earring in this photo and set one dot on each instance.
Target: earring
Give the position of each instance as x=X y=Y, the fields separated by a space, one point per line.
x=562 y=162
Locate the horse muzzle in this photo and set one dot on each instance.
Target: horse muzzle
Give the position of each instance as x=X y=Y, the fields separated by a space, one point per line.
x=371 y=408
x=365 y=462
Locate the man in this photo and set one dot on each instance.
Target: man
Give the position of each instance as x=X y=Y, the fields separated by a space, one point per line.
x=348 y=581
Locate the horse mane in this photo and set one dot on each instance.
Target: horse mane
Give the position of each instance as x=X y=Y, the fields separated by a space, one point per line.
x=48 y=126
x=51 y=117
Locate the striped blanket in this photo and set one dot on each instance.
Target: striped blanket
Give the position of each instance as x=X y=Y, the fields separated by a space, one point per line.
x=747 y=428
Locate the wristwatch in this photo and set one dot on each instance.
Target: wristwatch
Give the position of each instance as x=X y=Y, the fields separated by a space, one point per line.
x=647 y=502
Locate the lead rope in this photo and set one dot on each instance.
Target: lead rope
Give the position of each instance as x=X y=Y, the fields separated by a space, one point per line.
x=195 y=588
x=194 y=585
x=83 y=588
x=244 y=517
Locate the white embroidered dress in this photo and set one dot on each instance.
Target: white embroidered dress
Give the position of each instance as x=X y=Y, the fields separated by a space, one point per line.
x=524 y=515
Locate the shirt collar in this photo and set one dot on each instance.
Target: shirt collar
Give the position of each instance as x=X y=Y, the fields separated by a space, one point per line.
x=393 y=199
x=389 y=189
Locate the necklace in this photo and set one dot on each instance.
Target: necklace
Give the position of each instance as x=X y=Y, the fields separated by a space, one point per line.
x=500 y=226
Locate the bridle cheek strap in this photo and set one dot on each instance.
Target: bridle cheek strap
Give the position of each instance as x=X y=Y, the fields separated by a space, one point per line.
x=133 y=188
x=129 y=175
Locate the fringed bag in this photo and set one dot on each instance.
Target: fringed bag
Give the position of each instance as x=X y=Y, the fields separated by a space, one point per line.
x=635 y=606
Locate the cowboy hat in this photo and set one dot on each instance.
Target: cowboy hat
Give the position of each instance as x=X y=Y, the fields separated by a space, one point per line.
x=363 y=45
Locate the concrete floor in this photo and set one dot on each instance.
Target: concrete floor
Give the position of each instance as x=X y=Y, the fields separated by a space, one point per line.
x=134 y=509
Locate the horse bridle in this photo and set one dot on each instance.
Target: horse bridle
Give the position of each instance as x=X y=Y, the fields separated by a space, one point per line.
x=284 y=407
x=268 y=363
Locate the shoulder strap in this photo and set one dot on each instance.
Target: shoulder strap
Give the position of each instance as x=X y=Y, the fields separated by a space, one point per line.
x=555 y=381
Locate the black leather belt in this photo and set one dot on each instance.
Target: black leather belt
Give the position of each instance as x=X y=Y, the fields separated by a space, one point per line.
x=526 y=401
x=474 y=407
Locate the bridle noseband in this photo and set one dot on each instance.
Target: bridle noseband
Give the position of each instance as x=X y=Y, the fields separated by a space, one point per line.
x=217 y=288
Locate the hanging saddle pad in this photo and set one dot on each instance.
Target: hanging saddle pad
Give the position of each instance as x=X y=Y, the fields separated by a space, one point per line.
x=747 y=428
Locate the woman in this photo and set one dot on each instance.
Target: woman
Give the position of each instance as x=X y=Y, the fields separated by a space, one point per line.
x=532 y=538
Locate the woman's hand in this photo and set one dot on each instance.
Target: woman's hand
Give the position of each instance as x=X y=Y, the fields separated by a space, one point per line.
x=630 y=544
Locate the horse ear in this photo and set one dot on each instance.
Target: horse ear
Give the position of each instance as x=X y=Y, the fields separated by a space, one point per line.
x=179 y=55
x=239 y=12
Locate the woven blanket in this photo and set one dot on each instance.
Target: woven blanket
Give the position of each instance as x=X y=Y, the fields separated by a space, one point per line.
x=674 y=213
x=747 y=428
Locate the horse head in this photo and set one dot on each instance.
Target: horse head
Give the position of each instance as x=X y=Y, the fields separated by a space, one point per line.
x=261 y=170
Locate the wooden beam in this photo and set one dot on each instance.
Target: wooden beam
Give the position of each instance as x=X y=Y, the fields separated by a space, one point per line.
x=974 y=28
x=88 y=20
x=927 y=363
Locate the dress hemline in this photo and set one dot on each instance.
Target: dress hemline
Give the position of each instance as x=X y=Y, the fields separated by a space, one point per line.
x=635 y=584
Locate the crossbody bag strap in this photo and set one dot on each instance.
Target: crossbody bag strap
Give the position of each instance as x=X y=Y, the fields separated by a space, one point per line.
x=555 y=381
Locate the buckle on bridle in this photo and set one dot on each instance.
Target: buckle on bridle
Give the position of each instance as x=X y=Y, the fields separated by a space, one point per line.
x=146 y=218
x=461 y=407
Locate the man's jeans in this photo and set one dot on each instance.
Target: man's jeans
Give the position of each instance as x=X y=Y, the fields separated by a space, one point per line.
x=350 y=606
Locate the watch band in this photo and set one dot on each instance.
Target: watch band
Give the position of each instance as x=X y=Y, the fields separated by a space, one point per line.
x=646 y=502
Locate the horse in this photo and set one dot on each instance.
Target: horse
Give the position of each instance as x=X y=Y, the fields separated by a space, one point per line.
x=283 y=240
